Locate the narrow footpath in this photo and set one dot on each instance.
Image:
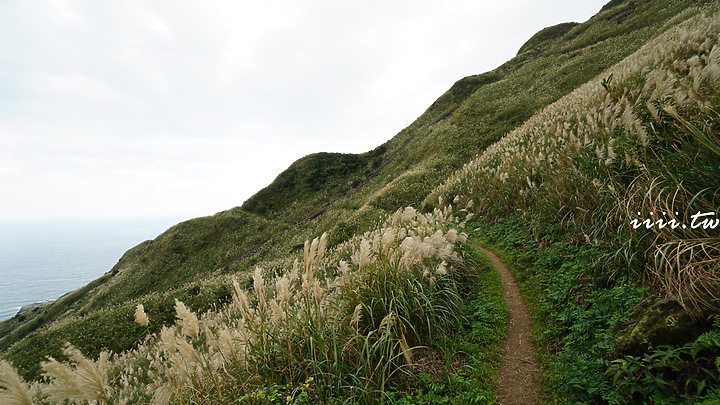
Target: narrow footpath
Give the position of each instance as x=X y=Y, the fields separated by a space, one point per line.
x=520 y=372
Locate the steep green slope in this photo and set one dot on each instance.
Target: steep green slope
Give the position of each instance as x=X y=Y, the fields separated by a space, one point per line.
x=314 y=181
x=544 y=38
x=193 y=259
x=608 y=203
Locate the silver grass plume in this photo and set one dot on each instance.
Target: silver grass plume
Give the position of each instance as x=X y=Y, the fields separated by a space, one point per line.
x=363 y=257
x=240 y=300
x=282 y=285
x=14 y=390
x=278 y=315
x=388 y=238
x=357 y=316
x=408 y=214
x=87 y=381
x=188 y=320
x=442 y=269
x=259 y=286
x=163 y=395
x=311 y=250
x=294 y=275
x=322 y=246
x=167 y=340
x=140 y=316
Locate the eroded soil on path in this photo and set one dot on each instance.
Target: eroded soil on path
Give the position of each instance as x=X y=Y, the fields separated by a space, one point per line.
x=520 y=372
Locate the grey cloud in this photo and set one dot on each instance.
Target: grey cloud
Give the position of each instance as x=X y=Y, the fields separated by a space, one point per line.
x=139 y=108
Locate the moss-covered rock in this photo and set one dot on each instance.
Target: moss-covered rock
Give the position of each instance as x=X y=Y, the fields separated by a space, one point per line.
x=665 y=323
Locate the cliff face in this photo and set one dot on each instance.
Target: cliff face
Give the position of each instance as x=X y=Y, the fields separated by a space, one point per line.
x=345 y=195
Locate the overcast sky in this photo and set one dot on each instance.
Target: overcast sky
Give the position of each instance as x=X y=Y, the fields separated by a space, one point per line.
x=177 y=108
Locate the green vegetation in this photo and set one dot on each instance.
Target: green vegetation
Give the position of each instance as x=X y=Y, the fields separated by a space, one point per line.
x=561 y=193
x=461 y=366
x=542 y=40
x=321 y=178
x=576 y=312
x=324 y=328
x=552 y=155
x=578 y=315
x=170 y=266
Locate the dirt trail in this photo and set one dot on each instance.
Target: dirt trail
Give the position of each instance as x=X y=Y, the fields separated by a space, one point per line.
x=520 y=372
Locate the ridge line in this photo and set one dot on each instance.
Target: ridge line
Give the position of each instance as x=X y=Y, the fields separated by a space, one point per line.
x=339 y=199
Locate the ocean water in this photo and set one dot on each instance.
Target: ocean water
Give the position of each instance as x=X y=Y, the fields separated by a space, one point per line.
x=42 y=261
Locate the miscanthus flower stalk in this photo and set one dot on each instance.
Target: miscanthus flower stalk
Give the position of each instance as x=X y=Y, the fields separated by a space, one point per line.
x=81 y=379
x=140 y=317
x=565 y=162
x=13 y=390
x=309 y=318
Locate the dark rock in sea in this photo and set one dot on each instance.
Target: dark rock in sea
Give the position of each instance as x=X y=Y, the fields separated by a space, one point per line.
x=31 y=306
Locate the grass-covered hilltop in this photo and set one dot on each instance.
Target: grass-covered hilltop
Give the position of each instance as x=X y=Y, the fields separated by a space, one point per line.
x=590 y=163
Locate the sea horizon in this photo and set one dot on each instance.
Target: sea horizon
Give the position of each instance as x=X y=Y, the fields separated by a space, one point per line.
x=42 y=260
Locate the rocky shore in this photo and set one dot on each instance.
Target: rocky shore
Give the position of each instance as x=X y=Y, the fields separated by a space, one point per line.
x=32 y=306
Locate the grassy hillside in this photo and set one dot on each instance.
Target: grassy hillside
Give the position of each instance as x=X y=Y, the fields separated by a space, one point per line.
x=314 y=181
x=589 y=126
x=608 y=200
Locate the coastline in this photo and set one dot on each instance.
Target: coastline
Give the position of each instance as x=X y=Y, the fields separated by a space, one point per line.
x=34 y=305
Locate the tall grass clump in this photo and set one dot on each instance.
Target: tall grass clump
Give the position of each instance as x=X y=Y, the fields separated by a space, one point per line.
x=14 y=391
x=623 y=163
x=339 y=323
x=609 y=200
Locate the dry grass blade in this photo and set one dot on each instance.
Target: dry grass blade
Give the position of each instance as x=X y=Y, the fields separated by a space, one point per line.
x=86 y=381
x=14 y=390
x=689 y=271
x=707 y=141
